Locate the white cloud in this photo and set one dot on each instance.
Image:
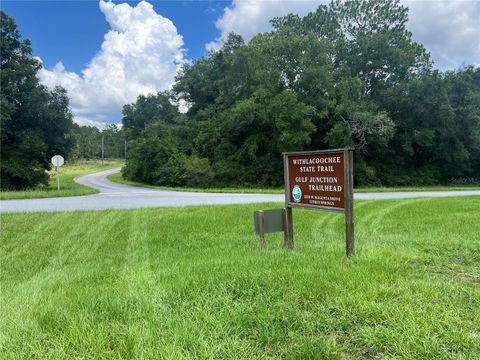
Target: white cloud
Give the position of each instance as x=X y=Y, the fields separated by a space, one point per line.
x=250 y=17
x=449 y=29
x=139 y=55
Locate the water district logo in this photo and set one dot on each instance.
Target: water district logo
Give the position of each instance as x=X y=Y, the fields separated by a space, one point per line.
x=297 y=193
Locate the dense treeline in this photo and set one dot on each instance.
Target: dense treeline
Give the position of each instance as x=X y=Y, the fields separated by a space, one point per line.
x=87 y=142
x=348 y=74
x=34 y=121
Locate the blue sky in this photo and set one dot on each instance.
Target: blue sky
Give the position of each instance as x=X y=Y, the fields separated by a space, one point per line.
x=107 y=53
x=73 y=31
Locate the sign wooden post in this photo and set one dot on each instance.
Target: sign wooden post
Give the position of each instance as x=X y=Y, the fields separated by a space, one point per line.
x=320 y=180
x=288 y=233
x=349 y=220
x=268 y=221
x=288 y=214
x=261 y=229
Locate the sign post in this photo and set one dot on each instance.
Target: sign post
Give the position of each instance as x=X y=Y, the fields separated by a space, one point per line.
x=58 y=161
x=349 y=220
x=268 y=221
x=320 y=180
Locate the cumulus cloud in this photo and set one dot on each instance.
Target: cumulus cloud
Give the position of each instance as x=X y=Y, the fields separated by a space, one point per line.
x=250 y=17
x=139 y=55
x=449 y=29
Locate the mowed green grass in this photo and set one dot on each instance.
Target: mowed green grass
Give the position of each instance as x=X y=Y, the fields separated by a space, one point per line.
x=191 y=283
x=68 y=187
x=117 y=177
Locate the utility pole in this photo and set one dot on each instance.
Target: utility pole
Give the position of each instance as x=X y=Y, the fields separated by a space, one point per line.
x=102 y=150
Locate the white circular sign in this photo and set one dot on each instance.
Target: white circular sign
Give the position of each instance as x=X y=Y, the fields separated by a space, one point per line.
x=58 y=160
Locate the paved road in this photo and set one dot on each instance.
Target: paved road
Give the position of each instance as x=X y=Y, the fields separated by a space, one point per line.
x=119 y=196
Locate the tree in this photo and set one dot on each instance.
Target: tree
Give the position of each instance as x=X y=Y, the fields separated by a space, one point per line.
x=113 y=141
x=137 y=116
x=159 y=140
x=347 y=74
x=438 y=128
x=87 y=140
x=34 y=121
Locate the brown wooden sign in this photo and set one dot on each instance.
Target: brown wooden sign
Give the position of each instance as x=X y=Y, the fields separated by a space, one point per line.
x=321 y=180
x=316 y=180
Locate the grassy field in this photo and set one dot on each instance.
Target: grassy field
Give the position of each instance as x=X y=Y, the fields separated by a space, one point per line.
x=68 y=187
x=190 y=283
x=418 y=188
x=117 y=177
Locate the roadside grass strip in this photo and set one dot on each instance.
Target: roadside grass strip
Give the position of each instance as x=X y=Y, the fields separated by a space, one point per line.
x=68 y=187
x=117 y=177
x=191 y=283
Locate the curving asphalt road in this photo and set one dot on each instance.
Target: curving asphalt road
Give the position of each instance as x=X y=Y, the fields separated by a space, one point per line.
x=118 y=196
